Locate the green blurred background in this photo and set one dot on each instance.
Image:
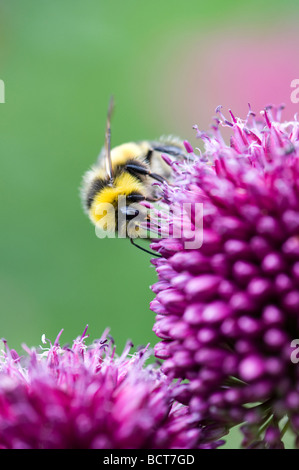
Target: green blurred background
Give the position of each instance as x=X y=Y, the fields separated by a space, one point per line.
x=168 y=64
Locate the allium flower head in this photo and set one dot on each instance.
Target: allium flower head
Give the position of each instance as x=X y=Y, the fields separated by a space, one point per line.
x=88 y=397
x=228 y=311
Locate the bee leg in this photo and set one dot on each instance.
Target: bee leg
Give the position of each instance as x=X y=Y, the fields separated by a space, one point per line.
x=135 y=168
x=144 y=249
x=153 y=199
x=172 y=150
x=159 y=178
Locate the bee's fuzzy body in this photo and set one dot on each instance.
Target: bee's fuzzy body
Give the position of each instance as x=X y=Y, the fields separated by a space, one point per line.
x=135 y=167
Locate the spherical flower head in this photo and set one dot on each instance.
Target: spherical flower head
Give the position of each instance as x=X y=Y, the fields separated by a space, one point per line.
x=228 y=309
x=88 y=397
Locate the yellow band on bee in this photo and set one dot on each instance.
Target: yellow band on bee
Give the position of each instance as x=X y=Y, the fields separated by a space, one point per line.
x=123 y=185
x=122 y=153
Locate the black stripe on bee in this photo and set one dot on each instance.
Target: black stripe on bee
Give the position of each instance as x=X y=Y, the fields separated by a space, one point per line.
x=95 y=187
x=148 y=156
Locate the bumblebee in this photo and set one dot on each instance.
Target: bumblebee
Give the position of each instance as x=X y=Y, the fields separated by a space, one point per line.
x=127 y=172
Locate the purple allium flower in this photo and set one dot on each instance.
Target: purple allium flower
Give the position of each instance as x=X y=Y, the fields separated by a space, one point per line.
x=228 y=310
x=87 y=397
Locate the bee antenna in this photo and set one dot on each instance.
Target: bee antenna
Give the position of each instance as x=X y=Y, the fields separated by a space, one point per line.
x=144 y=249
x=108 y=139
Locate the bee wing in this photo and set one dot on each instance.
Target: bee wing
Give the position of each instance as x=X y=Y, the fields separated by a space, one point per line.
x=108 y=160
x=170 y=145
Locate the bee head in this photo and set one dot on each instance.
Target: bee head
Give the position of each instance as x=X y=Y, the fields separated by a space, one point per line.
x=116 y=206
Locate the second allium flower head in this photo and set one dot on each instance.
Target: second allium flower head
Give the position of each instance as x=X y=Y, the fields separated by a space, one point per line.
x=87 y=397
x=228 y=311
